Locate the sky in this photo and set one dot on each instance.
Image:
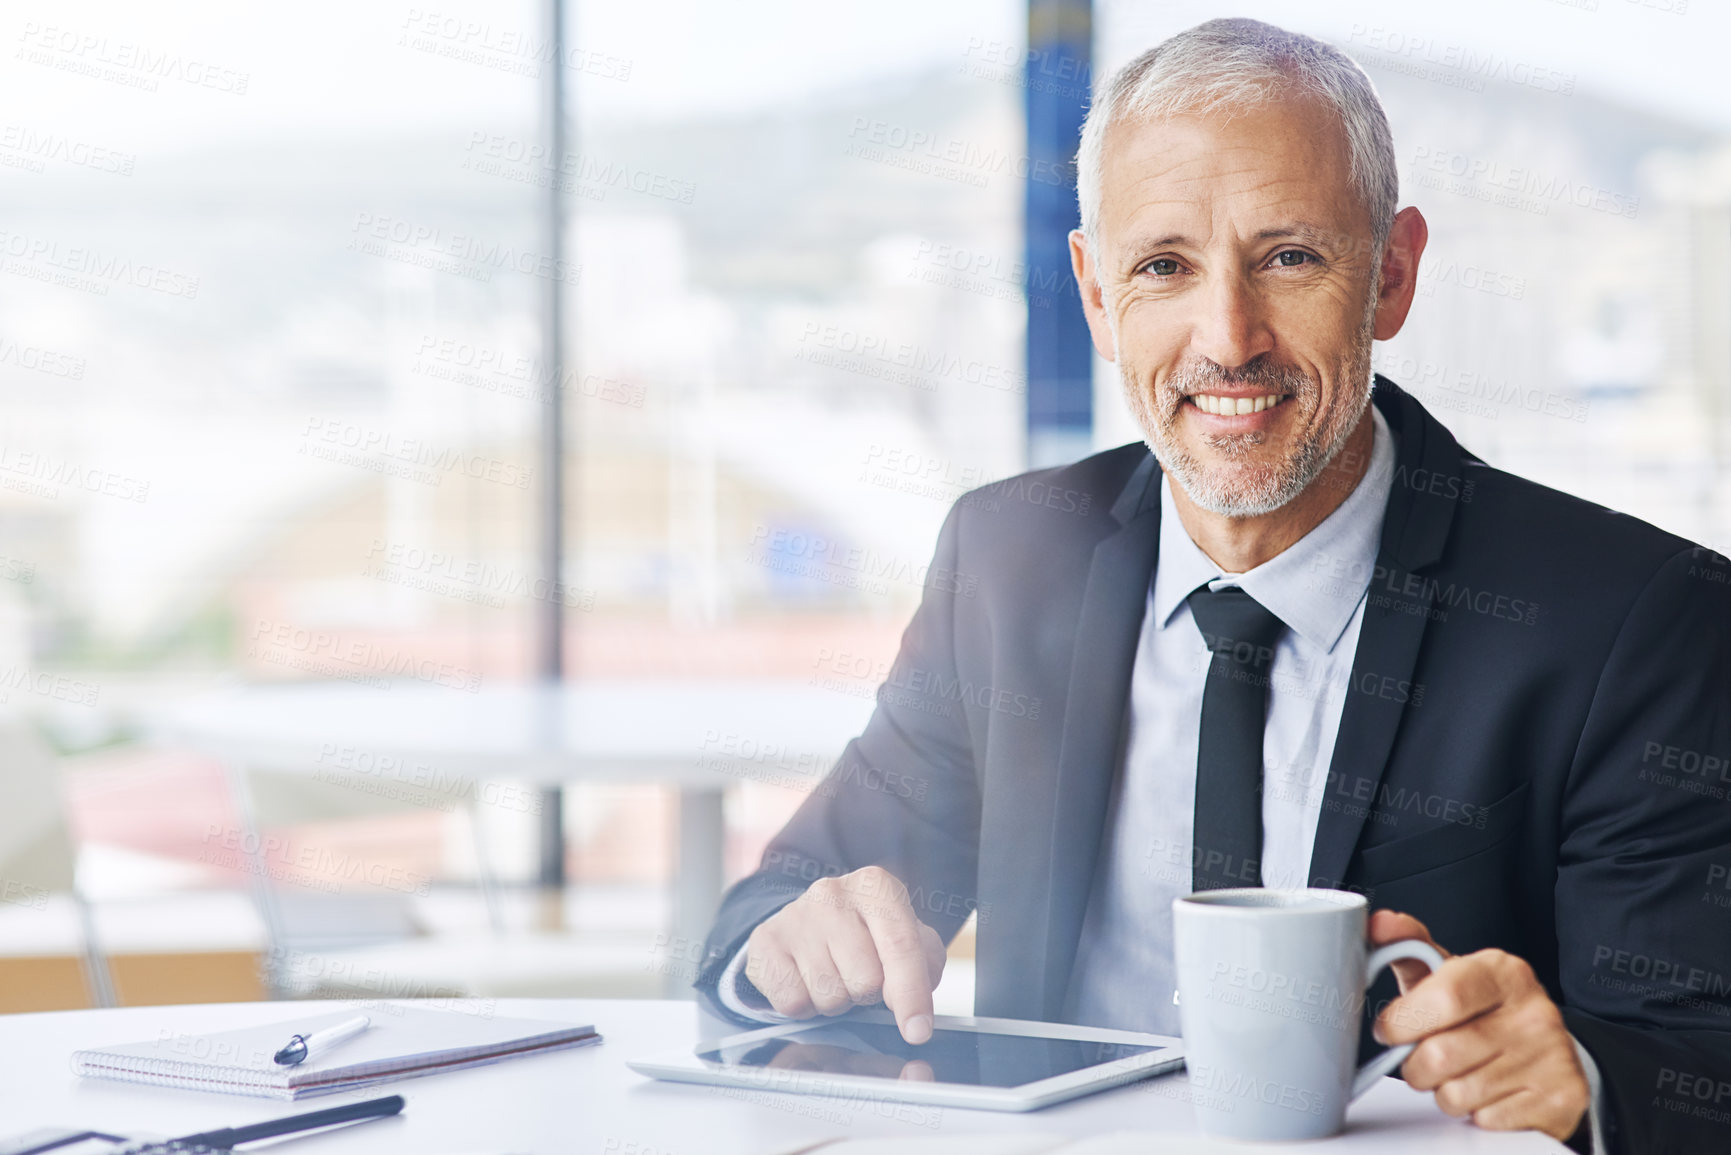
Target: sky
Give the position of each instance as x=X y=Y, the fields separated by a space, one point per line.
x=1637 y=52
x=344 y=68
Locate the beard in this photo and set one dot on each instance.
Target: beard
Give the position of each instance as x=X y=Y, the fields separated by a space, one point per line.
x=1241 y=485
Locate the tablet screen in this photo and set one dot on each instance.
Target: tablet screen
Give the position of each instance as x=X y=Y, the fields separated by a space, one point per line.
x=845 y=1047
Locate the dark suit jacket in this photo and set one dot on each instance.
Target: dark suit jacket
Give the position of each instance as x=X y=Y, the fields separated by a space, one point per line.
x=1535 y=753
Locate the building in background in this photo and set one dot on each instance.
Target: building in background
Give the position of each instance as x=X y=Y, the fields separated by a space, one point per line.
x=268 y=404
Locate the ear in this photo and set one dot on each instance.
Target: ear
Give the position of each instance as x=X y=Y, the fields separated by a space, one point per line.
x=1398 y=277
x=1093 y=302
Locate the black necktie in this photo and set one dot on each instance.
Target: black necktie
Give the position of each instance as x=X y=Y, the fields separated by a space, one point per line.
x=1226 y=849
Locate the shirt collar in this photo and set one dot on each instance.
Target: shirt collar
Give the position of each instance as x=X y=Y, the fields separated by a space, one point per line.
x=1315 y=585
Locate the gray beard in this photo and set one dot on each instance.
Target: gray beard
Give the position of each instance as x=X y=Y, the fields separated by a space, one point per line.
x=1245 y=492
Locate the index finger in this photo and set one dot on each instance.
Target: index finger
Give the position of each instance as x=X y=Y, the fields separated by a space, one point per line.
x=1462 y=990
x=907 y=988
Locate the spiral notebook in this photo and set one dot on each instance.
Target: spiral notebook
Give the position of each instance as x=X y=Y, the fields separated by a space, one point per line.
x=401 y=1043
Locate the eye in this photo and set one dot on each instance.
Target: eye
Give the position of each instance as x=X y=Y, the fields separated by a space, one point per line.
x=1292 y=258
x=1162 y=267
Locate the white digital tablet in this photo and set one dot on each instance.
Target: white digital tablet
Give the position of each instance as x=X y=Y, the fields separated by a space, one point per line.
x=990 y=1064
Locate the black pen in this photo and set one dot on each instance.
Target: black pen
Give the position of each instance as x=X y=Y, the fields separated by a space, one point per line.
x=228 y=1137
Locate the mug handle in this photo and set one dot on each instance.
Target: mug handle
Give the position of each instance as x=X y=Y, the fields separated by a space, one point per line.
x=1411 y=948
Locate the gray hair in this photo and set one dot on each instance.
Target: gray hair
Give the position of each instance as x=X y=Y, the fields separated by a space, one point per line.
x=1232 y=63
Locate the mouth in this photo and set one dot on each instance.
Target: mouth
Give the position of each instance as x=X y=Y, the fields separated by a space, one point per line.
x=1236 y=404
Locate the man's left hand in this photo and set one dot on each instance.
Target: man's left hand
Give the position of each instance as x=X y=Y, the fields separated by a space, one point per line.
x=1491 y=1044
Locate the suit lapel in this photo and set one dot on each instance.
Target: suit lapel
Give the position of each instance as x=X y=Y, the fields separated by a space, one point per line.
x=1107 y=632
x=1415 y=528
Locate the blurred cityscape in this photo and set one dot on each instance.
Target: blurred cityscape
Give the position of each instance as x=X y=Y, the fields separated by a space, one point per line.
x=270 y=415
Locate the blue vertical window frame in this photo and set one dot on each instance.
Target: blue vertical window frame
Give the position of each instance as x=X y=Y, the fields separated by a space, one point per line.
x=1056 y=78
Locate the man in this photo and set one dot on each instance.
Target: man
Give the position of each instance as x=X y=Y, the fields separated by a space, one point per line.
x=1497 y=710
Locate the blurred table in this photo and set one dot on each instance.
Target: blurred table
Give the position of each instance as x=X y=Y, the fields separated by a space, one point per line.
x=698 y=736
x=587 y=1101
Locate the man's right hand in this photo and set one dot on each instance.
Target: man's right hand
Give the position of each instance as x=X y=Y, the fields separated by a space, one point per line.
x=848 y=942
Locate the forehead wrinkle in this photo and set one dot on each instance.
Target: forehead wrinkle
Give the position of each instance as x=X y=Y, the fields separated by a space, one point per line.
x=1286 y=195
x=1199 y=221
x=1232 y=219
x=1292 y=167
x=1173 y=146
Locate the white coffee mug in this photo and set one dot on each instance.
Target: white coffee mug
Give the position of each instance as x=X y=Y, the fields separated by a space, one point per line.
x=1270 y=991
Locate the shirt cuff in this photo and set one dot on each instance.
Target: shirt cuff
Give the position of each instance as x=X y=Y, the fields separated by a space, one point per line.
x=727 y=990
x=1596 y=1096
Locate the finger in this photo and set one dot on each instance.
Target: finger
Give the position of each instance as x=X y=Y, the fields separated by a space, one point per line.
x=1527 y=1031
x=1516 y=1112
x=855 y=956
x=1462 y=990
x=1551 y=1073
x=936 y=955
x=1555 y=1082
x=918 y=1071
x=829 y=994
x=771 y=970
x=1495 y=1079
x=1519 y=1110
x=1388 y=926
x=1557 y=1113
x=907 y=989
x=1451 y=1054
x=1494 y=1107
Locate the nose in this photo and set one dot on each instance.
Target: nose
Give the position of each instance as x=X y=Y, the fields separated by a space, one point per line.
x=1229 y=329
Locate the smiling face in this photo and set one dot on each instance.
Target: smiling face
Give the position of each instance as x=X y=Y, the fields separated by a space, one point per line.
x=1234 y=281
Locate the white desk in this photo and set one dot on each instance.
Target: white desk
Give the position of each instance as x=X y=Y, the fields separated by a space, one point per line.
x=587 y=1102
x=688 y=734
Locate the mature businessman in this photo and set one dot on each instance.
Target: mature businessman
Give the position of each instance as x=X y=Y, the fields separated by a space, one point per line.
x=1497 y=710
